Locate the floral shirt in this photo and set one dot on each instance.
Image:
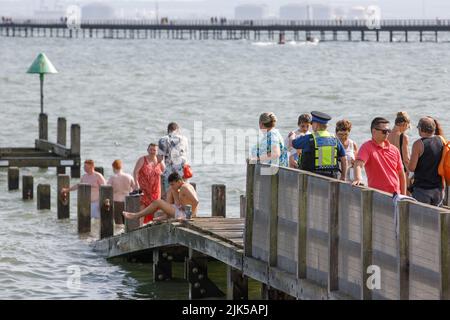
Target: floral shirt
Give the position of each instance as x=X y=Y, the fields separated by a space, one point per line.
x=264 y=146
x=174 y=148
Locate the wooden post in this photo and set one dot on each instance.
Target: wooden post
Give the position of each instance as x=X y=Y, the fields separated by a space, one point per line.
x=403 y=249
x=273 y=221
x=43 y=126
x=132 y=204
x=61 y=138
x=366 y=241
x=63 y=207
x=119 y=207
x=75 y=139
x=391 y=36
x=248 y=234
x=243 y=205
x=444 y=218
x=237 y=284
x=200 y=286
x=100 y=170
x=218 y=201
x=162 y=265
x=106 y=212
x=27 y=187
x=302 y=225
x=84 y=208
x=333 y=236
x=13 y=178
x=43 y=196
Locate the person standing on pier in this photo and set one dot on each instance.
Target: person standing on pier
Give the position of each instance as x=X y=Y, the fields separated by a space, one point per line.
x=147 y=175
x=343 y=128
x=122 y=184
x=174 y=149
x=400 y=139
x=425 y=158
x=270 y=148
x=304 y=126
x=95 y=179
x=321 y=151
x=179 y=195
x=381 y=160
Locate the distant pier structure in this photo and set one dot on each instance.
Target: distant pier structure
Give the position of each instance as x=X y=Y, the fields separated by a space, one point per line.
x=257 y=30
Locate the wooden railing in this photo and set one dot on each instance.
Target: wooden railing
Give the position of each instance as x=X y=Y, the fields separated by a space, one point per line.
x=335 y=234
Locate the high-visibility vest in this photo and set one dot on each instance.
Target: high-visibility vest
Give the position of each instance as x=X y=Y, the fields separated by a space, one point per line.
x=322 y=155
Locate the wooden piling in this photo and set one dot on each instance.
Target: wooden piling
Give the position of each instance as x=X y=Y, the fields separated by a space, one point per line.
x=61 y=138
x=403 y=249
x=43 y=126
x=366 y=241
x=162 y=265
x=106 y=211
x=333 y=239
x=63 y=207
x=43 y=196
x=75 y=146
x=84 y=208
x=302 y=225
x=243 y=205
x=237 y=284
x=100 y=170
x=273 y=221
x=200 y=286
x=27 y=187
x=132 y=204
x=248 y=234
x=218 y=201
x=13 y=178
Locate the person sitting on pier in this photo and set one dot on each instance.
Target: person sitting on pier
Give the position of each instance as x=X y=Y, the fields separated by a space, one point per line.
x=304 y=126
x=95 y=179
x=122 y=184
x=321 y=151
x=381 y=160
x=180 y=194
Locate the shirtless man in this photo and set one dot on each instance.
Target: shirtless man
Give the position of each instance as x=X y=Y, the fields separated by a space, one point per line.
x=180 y=194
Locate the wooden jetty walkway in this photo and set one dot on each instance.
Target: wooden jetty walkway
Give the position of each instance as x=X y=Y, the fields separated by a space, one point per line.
x=306 y=237
x=297 y=30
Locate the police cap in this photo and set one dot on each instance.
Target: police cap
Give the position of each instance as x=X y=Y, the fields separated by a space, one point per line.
x=320 y=117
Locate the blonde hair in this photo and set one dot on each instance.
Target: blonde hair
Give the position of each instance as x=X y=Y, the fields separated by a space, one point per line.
x=268 y=119
x=402 y=117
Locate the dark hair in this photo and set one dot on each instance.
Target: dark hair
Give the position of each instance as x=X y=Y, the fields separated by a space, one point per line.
x=152 y=145
x=304 y=118
x=438 y=131
x=172 y=127
x=377 y=121
x=427 y=125
x=174 y=177
x=343 y=125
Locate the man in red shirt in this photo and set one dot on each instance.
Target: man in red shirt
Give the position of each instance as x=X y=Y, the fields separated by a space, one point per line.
x=381 y=160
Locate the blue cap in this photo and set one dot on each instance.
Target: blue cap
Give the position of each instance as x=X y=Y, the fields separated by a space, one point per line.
x=320 y=117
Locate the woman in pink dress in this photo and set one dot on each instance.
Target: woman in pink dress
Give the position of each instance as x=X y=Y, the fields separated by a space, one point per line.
x=147 y=175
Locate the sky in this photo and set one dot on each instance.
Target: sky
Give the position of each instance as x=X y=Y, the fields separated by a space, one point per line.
x=416 y=9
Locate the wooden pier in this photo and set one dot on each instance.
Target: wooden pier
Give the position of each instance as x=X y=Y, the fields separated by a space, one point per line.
x=45 y=153
x=297 y=30
x=310 y=237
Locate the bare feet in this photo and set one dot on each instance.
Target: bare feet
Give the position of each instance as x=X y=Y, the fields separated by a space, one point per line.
x=129 y=215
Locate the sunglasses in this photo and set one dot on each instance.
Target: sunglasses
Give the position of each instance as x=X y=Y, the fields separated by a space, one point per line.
x=384 y=131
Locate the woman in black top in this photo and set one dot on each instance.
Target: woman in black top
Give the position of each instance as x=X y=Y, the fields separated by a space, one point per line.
x=425 y=157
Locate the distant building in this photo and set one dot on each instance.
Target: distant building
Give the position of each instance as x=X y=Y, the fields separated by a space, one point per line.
x=295 y=12
x=97 y=10
x=250 y=11
x=305 y=12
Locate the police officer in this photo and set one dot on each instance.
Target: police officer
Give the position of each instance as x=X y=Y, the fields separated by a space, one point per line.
x=321 y=150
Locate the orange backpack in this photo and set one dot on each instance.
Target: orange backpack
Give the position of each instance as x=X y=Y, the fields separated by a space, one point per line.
x=444 y=164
